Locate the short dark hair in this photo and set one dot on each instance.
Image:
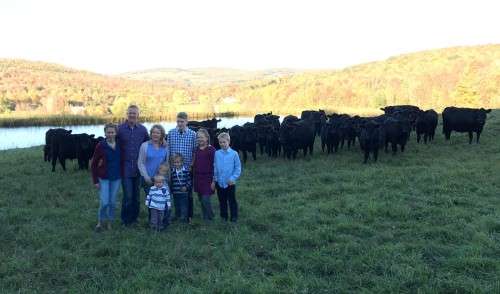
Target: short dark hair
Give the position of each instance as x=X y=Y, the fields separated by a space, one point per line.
x=182 y=115
x=111 y=126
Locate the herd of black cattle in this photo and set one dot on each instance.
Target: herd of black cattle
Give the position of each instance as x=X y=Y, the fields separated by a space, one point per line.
x=293 y=134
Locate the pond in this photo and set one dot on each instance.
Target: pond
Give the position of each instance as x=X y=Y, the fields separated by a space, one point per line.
x=34 y=136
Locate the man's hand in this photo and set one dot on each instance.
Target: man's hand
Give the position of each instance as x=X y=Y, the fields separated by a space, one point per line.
x=230 y=183
x=212 y=186
x=183 y=189
x=97 y=186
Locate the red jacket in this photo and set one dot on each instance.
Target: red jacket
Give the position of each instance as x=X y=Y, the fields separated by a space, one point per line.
x=98 y=166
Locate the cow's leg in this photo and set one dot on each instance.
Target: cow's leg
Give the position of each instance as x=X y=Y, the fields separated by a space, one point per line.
x=403 y=147
x=394 y=148
x=447 y=135
x=478 y=134
x=62 y=161
x=54 y=162
x=254 y=154
x=386 y=146
x=367 y=155
x=470 y=137
x=311 y=148
x=418 y=137
x=375 y=154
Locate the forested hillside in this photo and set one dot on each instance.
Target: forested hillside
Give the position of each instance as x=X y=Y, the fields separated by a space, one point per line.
x=467 y=76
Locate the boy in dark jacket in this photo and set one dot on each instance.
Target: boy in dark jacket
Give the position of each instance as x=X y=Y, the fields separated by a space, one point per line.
x=180 y=179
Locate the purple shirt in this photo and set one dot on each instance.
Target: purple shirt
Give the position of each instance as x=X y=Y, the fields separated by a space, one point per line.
x=130 y=140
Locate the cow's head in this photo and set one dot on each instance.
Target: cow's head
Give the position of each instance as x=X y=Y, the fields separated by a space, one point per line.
x=481 y=115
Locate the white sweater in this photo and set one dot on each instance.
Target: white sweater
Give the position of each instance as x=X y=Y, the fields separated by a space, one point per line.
x=158 y=198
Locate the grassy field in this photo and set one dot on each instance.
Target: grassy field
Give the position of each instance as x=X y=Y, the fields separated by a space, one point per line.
x=427 y=221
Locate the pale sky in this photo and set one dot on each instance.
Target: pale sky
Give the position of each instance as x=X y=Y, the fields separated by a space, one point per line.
x=109 y=36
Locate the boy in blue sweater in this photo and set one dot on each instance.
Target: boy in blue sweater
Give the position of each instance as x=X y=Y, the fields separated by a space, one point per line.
x=227 y=169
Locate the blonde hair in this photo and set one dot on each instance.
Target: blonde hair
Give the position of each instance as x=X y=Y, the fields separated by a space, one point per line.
x=204 y=132
x=177 y=156
x=165 y=166
x=162 y=131
x=159 y=178
x=224 y=136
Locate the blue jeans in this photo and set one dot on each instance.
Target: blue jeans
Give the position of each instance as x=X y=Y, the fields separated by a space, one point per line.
x=181 y=206
x=107 y=192
x=130 y=203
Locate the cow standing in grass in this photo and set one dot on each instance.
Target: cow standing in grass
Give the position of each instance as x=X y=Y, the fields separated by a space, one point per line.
x=464 y=120
x=371 y=139
x=426 y=124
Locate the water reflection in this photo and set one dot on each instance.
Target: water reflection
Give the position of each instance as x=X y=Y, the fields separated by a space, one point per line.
x=11 y=138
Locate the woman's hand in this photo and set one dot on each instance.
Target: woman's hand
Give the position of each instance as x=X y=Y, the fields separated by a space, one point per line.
x=212 y=186
x=97 y=186
x=183 y=189
x=148 y=182
x=230 y=183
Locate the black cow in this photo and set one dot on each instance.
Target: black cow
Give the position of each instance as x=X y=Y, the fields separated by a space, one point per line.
x=244 y=139
x=396 y=108
x=261 y=118
x=330 y=136
x=295 y=135
x=396 y=132
x=208 y=124
x=73 y=146
x=426 y=124
x=318 y=118
x=371 y=138
x=286 y=121
x=273 y=147
x=264 y=123
x=409 y=112
x=464 y=120
x=49 y=138
x=348 y=133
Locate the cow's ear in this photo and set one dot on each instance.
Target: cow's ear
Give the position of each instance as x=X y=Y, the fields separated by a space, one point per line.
x=383 y=109
x=69 y=132
x=488 y=110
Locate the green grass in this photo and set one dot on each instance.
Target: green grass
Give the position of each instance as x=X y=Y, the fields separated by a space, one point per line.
x=426 y=221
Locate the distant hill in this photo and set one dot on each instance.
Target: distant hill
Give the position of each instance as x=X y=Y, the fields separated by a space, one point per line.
x=205 y=76
x=463 y=76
